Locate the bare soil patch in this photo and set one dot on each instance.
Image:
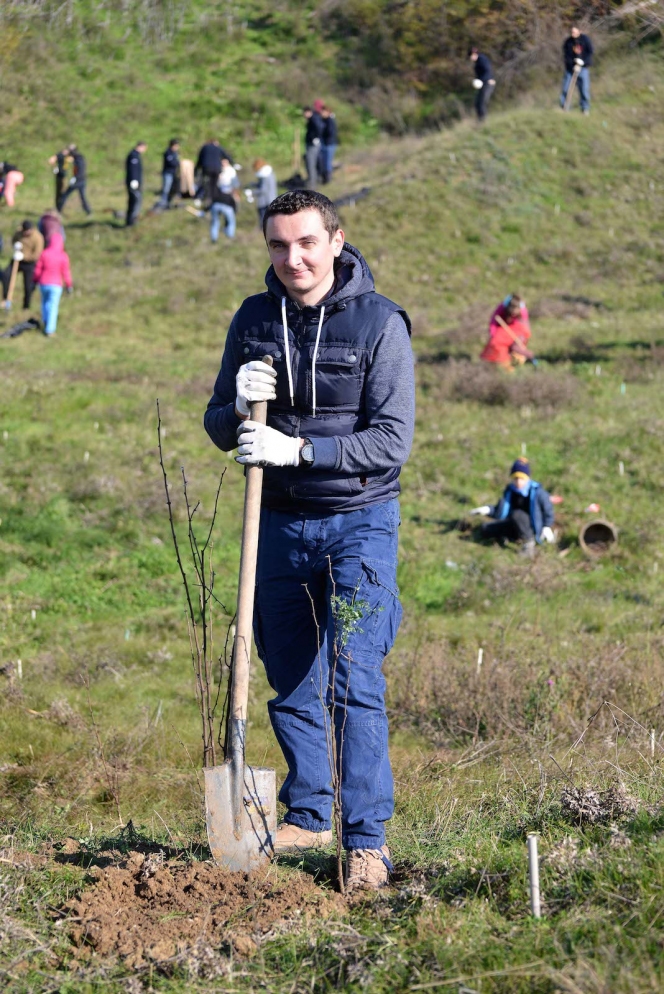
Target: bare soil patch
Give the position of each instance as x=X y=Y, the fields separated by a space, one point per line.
x=148 y=911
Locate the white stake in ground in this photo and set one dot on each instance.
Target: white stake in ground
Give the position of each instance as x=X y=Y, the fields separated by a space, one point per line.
x=533 y=876
x=480 y=657
x=652 y=743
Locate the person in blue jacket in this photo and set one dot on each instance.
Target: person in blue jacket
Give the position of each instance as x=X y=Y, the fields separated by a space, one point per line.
x=341 y=412
x=523 y=514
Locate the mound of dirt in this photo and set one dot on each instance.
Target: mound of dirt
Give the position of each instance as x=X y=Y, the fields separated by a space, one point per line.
x=147 y=911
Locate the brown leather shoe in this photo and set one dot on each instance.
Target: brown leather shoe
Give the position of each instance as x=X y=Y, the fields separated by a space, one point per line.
x=293 y=839
x=367 y=869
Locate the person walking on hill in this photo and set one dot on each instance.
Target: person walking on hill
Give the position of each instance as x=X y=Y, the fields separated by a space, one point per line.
x=51 y=272
x=313 y=140
x=10 y=178
x=523 y=514
x=29 y=243
x=330 y=141
x=78 y=180
x=208 y=166
x=134 y=182
x=578 y=58
x=264 y=190
x=509 y=330
x=340 y=425
x=58 y=163
x=169 y=174
x=484 y=82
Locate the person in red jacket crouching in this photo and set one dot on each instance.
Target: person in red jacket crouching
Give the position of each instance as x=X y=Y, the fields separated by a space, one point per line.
x=509 y=330
x=51 y=272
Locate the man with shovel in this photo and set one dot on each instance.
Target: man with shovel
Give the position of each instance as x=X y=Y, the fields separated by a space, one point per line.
x=339 y=427
x=578 y=58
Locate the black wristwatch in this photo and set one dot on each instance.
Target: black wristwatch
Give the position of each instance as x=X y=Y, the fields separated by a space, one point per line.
x=307 y=453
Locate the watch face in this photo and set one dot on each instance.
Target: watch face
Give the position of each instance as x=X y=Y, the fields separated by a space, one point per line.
x=308 y=452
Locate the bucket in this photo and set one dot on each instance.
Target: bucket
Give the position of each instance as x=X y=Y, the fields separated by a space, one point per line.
x=598 y=537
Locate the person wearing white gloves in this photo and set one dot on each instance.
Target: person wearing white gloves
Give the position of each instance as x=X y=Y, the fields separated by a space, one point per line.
x=523 y=514
x=578 y=57
x=340 y=421
x=134 y=182
x=483 y=82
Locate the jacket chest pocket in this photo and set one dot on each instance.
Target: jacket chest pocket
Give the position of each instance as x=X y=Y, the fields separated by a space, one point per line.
x=338 y=382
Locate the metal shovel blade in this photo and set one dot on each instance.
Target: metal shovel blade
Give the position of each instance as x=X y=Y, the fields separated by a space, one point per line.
x=246 y=842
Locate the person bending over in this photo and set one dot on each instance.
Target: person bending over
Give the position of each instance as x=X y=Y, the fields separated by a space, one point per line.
x=509 y=330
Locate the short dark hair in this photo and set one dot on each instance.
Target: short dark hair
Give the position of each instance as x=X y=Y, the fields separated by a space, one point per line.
x=472 y=50
x=27 y=226
x=304 y=200
x=173 y=141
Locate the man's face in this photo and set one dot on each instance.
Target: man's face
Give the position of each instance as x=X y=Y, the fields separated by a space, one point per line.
x=575 y=32
x=473 y=56
x=303 y=254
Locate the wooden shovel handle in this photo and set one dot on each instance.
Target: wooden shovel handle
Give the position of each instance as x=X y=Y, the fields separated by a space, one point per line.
x=246 y=589
x=12 y=281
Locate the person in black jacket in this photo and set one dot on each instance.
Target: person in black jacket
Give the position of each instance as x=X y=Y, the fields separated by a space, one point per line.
x=578 y=57
x=208 y=167
x=59 y=162
x=330 y=142
x=78 y=180
x=170 y=174
x=484 y=82
x=313 y=141
x=134 y=182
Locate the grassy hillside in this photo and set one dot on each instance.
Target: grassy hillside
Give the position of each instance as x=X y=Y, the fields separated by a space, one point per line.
x=565 y=210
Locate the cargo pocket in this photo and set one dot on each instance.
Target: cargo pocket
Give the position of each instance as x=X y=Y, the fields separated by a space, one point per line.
x=379 y=589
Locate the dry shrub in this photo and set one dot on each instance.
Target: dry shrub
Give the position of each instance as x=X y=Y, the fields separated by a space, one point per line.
x=484 y=384
x=527 y=688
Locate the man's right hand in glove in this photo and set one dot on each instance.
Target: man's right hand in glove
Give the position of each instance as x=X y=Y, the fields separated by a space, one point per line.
x=255 y=381
x=484 y=509
x=133 y=185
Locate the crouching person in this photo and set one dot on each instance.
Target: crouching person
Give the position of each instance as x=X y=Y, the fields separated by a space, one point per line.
x=509 y=330
x=523 y=514
x=341 y=401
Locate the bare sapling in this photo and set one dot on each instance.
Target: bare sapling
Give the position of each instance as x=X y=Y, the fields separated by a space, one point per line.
x=201 y=602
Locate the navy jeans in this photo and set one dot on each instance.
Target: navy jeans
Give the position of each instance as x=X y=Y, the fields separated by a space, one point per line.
x=306 y=563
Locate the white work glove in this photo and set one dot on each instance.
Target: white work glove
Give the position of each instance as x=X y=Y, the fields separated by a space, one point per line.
x=579 y=62
x=249 y=194
x=133 y=185
x=18 y=255
x=547 y=535
x=484 y=509
x=263 y=446
x=316 y=141
x=478 y=84
x=72 y=181
x=254 y=381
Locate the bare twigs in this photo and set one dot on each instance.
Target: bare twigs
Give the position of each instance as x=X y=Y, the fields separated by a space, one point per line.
x=200 y=599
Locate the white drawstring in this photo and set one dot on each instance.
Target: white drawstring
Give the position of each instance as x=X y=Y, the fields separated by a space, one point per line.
x=313 y=361
x=284 y=321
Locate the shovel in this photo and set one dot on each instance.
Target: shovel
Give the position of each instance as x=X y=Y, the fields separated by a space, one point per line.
x=515 y=338
x=571 y=88
x=12 y=284
x=241 y=800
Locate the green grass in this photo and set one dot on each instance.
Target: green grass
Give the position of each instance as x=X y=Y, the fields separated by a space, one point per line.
x=454 y=222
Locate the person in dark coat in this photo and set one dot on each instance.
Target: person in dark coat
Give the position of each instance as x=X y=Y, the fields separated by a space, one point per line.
x=78 y=180
x=578 y=56
x=484 y=82
x=340 y=420
x=134 y=182
x=208 y=167
x=523 y=514
x=59 y=163
x=330 y=141
x=170 y=174
x=313 y=141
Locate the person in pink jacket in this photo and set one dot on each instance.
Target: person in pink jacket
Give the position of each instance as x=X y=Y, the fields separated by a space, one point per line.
x=51 y=272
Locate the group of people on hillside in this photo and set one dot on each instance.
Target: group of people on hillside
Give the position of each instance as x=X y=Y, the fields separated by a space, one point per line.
x=38 y=254
x=320 y=142
x=577 y=58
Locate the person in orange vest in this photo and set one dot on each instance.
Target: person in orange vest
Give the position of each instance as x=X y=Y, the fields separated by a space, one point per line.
x=509 y=330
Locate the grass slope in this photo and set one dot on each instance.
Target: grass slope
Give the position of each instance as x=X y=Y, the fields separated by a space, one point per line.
x=566 y=210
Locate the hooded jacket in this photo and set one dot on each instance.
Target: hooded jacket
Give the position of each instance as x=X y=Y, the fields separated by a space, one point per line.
x=541 y=508
x=52 y=267
x=265 y=187
x=345 y=380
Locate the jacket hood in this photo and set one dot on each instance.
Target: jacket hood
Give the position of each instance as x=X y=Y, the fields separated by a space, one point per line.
x=352 y=278
x=56 y=241
x=264 y=171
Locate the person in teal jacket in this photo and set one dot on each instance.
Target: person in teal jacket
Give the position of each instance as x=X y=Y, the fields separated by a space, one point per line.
x=523 y=514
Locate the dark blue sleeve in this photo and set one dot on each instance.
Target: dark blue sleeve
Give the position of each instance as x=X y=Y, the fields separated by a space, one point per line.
x=546 y=507
x=221 y=421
